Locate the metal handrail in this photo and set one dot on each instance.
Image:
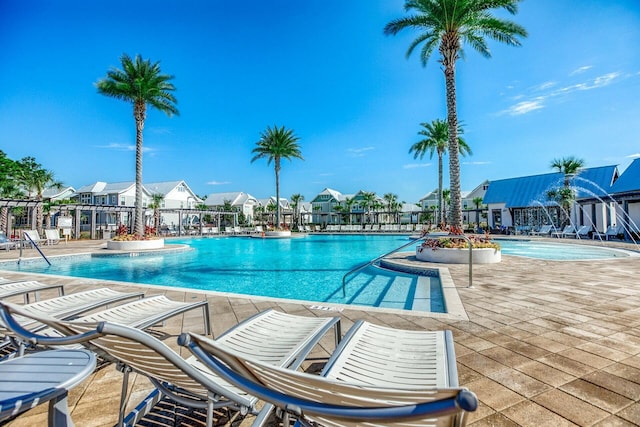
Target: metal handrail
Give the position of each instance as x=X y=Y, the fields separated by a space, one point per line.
x=413 y=242
x=35 y=245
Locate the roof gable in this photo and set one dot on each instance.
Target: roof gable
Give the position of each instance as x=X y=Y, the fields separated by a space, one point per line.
x=629 y=181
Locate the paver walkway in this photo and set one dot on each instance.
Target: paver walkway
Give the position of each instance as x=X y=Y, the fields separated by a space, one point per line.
x=547 y=343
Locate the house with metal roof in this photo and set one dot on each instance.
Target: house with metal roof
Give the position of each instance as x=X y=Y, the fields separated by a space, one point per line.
x=526 y=202
x=626 y=192
x=176 y=195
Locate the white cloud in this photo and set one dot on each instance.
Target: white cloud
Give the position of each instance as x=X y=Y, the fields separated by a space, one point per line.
x=523 y=107
x=416 y=165
x=545 y=86
x=476 y=163
x=327 y=174
x=124 y=147
x=633 y=156
x=580 y=70
x=359 y=152
x=218 y=182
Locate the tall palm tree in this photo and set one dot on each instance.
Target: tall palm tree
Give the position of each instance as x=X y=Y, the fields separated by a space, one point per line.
x=348 y=203
x=368 y=200
x=446 y=25
x=141 y=83
x=35 y=179
x=8 y=186
x=296 y=200
x=436 y=140
x=275 y=144
x=569 y=166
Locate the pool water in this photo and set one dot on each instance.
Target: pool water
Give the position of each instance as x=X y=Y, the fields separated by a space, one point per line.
x=308 y=268
x=557 y=251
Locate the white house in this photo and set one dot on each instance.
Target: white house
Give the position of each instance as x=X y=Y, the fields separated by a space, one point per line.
x=240 y=202
x=176 y=195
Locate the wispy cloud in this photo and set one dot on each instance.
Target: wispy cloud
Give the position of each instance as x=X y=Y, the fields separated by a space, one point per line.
x=633 y=156
x=580 y=70
x=523 y=107
x=218 y=182
x=124 y=147
x=416 y=165
x=359 y=152
x=538 y=101
x=327 y=174
x=477 y=163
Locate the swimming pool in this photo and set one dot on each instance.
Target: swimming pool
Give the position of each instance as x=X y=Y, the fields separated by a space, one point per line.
x=309 y=269
x=558 y=251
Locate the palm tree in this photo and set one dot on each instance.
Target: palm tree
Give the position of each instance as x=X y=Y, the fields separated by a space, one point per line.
x=368 y=200
x=296 y=199
x=8 y=186
x=141 y=83
x=276 y=144
x=35 y=180
x=446 y=199
x=446 y=24
x=478 y=202
x=569 y=166
x=391 y=200
x=436 y=140
x=156 y=204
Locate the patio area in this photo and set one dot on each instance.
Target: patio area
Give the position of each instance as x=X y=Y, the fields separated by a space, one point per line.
x=547 y=343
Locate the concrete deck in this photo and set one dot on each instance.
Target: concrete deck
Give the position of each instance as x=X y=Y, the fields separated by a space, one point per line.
x=546 y=344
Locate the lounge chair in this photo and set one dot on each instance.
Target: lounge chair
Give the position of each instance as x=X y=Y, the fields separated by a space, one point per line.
x=33 y=237
x=52 y=237
x=583 y=232
x=612 y=232
x=68 y=306
x=6 y=243
x=544 y=230
x=272 y=337
x=26 y=288
x=376 y=376
x=566 y=231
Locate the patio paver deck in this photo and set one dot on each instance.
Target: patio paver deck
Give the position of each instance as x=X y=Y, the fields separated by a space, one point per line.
x=547 y=343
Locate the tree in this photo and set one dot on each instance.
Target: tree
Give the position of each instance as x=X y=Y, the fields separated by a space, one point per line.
x=141 y=83
x=446 y=25
x=478 y=202
x=156 y=204
x=368 y=201
x=276 y=144
x=8 y=187
x=391 y=200
x=296 y=200
x=35 y=179
x=565 y=196
x=436 y=140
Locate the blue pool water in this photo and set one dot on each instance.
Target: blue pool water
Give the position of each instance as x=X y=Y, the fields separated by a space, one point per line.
x=557 y=251
x=308 y=268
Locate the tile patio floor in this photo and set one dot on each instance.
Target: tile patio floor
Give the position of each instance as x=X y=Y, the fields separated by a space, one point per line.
x=547 y=343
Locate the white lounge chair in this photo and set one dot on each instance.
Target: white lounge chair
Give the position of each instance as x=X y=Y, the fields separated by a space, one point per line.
x=376 y=376
x=612 y=232
x=583 y=232
x=52 y=237
x=544 y=230
x=6 y=243
x=272 y=337
x=566 y=231
x=32 y=237
x=26 y=288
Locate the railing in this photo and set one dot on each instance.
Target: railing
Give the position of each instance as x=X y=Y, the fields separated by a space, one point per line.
x=35 y=245
x=413 y=242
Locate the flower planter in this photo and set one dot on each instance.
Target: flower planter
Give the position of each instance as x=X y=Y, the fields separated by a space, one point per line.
x=458 y=256
x=135 y=245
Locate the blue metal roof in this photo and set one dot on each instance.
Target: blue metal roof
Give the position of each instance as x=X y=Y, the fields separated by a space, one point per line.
x=532 y=190
x=629 y=180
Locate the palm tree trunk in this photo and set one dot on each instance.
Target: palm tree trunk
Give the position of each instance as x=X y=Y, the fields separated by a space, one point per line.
x=440 y=206
x=454 y=151
x=39 y=215
x=139 y=114
x=4 y=218
x=277 y=167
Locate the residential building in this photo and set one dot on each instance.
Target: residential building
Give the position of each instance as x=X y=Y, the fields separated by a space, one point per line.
x=525 y=202
x=240 y=202
x=176 y=195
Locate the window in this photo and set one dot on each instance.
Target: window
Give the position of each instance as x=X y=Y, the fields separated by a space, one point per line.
x=181 y=188
x=123 y=202
x=85 y=198
x=114 y=200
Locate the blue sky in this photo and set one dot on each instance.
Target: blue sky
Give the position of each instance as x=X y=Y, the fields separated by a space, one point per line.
x=325 y=70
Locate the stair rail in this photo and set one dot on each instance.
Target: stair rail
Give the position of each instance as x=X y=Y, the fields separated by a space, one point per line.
x=35 y=245
x=413 y=242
